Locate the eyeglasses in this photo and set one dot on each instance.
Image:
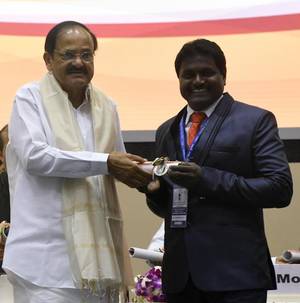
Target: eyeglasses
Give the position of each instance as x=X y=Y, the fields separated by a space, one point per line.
x=86 y=56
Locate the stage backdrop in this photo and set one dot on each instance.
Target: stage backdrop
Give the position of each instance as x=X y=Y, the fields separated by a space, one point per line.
x=138 y=43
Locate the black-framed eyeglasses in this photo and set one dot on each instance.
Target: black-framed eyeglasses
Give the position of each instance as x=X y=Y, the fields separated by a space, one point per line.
x=85 y=56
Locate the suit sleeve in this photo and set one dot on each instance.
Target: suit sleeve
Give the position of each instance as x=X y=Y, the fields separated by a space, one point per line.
x=271 y=185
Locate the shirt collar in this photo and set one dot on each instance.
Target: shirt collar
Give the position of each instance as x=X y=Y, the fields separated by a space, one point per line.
x=207 y=111
x=87 y=99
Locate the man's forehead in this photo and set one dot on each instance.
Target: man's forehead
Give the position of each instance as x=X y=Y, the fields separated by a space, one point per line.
x=73 y=36
x=201 y=58
x=199 y=62
x=74 y=30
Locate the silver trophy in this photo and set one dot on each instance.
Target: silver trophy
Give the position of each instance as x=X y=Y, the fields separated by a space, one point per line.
x=159 y=167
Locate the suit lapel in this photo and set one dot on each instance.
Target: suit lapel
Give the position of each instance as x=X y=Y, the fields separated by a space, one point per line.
x=202 y=148
x=216 y=119
x=173 y=138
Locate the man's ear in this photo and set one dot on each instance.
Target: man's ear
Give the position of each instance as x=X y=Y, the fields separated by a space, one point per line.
x=48 y=61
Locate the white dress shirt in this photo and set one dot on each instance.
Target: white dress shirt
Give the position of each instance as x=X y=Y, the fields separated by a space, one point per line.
x=208 y=111
x=157 y=242
x=36 y=248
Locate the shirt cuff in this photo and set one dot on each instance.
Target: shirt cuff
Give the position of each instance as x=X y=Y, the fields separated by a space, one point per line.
x=99 y=164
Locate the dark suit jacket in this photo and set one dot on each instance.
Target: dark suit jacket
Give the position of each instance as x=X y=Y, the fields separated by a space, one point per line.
x=243 y=170
x=4 y=203
x=4 y=198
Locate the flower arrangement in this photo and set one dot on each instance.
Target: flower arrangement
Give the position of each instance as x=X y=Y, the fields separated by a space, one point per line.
x=148 y=287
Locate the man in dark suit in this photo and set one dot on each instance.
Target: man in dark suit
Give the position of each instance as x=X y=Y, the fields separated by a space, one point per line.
x=4 y=188
x=3 y=143
x=212 y=202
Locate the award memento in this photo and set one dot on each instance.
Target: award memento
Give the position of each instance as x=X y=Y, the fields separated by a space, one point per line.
x=159 y=167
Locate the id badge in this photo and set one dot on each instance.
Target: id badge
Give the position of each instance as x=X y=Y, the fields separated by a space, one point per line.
x=179 y=207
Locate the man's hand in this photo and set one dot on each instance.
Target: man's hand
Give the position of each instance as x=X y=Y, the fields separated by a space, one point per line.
x=151 y=187
x=125 y=168
x=185 y=174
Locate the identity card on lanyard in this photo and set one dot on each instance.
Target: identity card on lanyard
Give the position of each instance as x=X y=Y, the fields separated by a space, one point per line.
x=180 y=194
x=179 y=207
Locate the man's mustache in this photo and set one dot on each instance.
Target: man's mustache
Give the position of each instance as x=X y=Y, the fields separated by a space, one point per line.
x=76 y=70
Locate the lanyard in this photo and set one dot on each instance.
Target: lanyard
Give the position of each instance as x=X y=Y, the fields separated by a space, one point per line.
x=183 y=138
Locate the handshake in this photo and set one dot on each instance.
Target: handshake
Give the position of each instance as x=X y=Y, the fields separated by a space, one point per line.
x=137 y=172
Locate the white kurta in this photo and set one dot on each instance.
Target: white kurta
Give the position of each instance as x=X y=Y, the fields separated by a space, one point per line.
x=36 y=249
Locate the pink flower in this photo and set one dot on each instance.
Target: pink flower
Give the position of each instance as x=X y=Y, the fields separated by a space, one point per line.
x=149 y=285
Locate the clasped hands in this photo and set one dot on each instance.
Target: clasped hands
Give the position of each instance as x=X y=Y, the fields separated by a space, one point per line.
x=125 y=168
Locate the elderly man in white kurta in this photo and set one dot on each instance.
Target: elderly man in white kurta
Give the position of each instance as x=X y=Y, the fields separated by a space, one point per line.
x=66 y=242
